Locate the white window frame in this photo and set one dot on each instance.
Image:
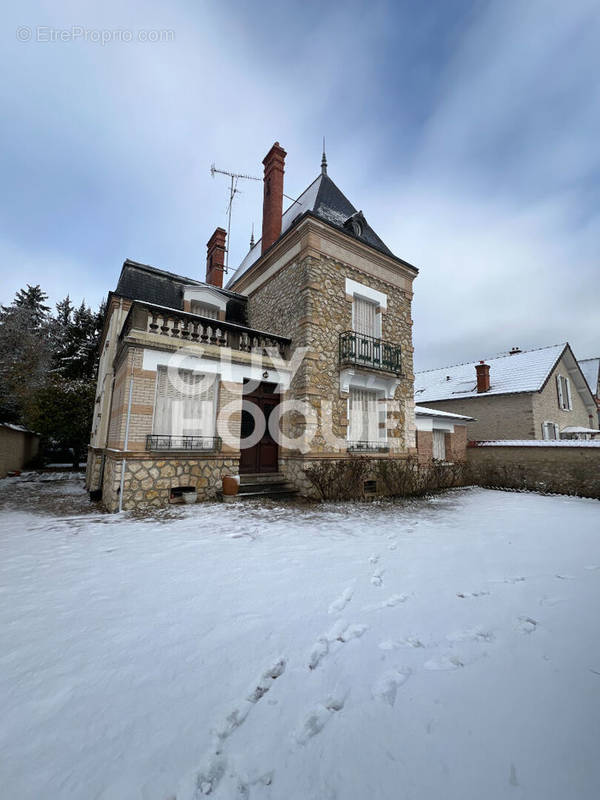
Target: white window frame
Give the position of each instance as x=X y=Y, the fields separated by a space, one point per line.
x=438 y=444
x=379 y=395
x=546 y=431
x=379 y=299
x=563 y=388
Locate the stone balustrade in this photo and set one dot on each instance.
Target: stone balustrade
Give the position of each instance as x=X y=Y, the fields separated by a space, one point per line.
x=187 y=327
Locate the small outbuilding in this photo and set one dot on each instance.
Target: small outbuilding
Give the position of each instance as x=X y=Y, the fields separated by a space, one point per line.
x=441 y=435
x=18 y=447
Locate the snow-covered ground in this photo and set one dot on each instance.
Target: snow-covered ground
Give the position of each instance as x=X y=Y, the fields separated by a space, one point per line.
x=445 y=648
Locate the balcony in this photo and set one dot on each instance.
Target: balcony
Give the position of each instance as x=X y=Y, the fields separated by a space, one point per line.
x=204 y=444
x=186 y=327
x=360 y=350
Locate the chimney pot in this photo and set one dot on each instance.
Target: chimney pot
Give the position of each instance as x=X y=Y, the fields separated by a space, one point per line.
x=273 y=195
x=215 y=258
x=483 y=377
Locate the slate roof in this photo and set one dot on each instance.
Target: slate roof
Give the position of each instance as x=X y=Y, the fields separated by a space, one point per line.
x=325 y=201
x=590 y=368
x=152 y=285
x=526 y=371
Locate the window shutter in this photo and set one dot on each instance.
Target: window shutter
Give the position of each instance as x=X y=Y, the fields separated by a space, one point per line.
x=569 y=400
x=439 y=445
x=364 y=415
x=185 y=407
x=560 y=391
x=364 y=316
x=204 y=310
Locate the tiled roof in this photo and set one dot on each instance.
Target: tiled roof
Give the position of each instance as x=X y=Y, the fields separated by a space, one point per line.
x=323 y=199
x=526 y=371
x=590 y=368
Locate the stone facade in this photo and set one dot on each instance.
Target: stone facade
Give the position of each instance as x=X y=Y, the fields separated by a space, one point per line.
x=501 y=416
x=148 y=482
x=306 y=299
x=547 y=409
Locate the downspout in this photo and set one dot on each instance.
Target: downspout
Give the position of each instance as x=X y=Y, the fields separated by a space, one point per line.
x=126 y=443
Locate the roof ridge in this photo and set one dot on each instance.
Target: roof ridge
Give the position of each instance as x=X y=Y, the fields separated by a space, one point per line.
x=493 y=358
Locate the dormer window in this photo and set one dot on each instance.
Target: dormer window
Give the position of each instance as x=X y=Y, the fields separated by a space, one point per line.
x=204 y=310
x=205 y=301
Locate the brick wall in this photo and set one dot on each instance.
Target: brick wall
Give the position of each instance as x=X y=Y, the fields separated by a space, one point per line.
x=424 y=446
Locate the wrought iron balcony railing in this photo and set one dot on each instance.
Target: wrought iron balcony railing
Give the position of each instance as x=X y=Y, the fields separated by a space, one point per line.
x=368 y=447
x=194 y=443
x=360 y=350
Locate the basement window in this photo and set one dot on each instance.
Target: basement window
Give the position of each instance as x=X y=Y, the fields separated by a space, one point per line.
x=370 y=487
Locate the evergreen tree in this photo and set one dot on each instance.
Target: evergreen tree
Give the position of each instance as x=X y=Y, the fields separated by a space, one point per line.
x=33 y=300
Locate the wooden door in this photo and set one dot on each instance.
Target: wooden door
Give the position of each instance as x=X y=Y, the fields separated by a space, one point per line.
x=263 y=456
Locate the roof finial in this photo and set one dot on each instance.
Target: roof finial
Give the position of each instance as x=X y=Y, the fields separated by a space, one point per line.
x=324 y=160
x=252 y=237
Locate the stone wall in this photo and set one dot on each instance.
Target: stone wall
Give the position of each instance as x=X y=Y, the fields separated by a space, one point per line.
x=564 y=468
x=148 y=481
x=546 y=408
x=307 y=300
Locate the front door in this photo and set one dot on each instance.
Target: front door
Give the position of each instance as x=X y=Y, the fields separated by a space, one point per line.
x=262 y=456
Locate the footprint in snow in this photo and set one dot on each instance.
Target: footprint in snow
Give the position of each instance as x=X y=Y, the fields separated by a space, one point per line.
x=391 y=601
x=204 y=780
x=377 y=578
x=470 y=595
x=445 y=662
x=341 y=632
x=388 y=684
x=342 y=601
x=526 y=624
x=476 y=634
x=373 y=559
x=316 y=719
x=565 y=577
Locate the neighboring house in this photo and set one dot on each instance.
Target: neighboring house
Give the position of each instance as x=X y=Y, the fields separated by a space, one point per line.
x=534 y=394
x=591 y=372
x=18 y=446
x=441 y=435
x=305 y=356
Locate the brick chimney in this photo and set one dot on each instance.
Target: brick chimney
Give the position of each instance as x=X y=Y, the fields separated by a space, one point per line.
x=483 y=377
x=215 y=258
x=273 y=195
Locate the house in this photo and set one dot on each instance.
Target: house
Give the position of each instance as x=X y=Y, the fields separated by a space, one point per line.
x=18 y=447
x=591 y=372
x=534 y=394
x=441 y=435
x=303 y=357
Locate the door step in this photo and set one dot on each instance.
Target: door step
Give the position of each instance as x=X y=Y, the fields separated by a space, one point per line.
x=264 y=485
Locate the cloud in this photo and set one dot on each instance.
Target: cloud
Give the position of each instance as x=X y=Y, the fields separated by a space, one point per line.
x=464 y=130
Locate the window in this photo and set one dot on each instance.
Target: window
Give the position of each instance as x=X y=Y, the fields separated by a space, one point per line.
x=364 y=317
x=563 y=386
x=550 y=431
x=204 y=310
x=439 y=445
x=365 y=412
x=185 y=403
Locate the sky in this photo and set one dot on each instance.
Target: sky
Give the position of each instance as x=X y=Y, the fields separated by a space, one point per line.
x=466 y=131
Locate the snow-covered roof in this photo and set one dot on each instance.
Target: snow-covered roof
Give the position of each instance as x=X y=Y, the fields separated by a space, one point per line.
x=18 y=428
x=525 y=371
x=326 y=201
x=590 y=368
x=579 y=429
x=538 y=443
x=421 y=411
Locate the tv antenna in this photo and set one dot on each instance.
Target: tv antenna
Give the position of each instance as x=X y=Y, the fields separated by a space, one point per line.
x=233 y=190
